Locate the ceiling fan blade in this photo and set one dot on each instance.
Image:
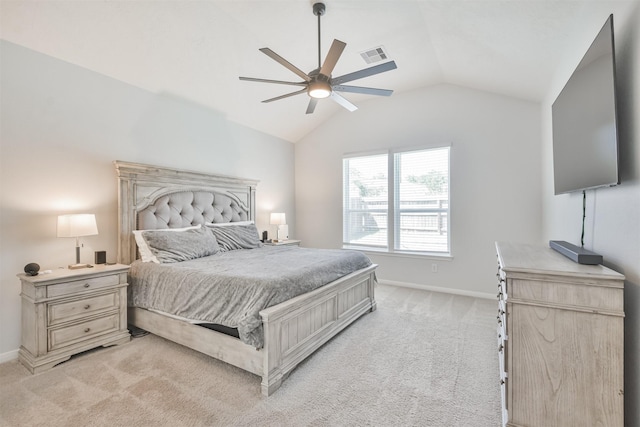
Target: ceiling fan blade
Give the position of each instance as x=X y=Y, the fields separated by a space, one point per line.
x=280 y=82
x=312 y=105
x=364 y=90
x=279 y=59
x=387 y=66
x=286 y=96
x=332 y=57
x=343 y=101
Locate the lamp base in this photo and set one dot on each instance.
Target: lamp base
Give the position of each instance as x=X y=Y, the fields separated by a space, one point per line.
x=78 y=266
x=283 y=232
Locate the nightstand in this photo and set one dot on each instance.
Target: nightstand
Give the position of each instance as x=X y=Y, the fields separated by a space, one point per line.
x=67 y=312
x=284 y=242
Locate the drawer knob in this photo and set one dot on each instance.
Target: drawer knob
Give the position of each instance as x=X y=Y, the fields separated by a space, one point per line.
x=87 y=307
x=87 y=329
x=501 y=382
x=500 y=348
x=86 y=285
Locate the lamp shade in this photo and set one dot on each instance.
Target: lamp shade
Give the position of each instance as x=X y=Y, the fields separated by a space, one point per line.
x=277 y=219
x=76 y=225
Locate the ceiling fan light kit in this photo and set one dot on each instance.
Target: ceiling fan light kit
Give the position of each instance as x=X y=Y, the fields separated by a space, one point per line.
x=319 y=89
x=318 y=83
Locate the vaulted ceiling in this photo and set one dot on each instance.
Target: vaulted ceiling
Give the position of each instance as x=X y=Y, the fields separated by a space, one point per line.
x=196 y=50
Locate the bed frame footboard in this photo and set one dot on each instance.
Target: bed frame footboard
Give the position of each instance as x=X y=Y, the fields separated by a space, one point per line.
x=294 y=329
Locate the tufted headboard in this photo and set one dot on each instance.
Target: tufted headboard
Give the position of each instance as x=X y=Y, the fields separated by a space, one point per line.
x=154 y=197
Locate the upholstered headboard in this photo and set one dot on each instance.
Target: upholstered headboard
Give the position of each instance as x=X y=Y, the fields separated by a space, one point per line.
x=154 y=197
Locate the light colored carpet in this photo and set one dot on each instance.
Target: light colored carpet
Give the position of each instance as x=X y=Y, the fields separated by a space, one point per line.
x=421 y=359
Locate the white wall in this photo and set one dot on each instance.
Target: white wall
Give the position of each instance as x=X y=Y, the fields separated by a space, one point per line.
x=613 y=214
x=495 y=177
x=61 y=128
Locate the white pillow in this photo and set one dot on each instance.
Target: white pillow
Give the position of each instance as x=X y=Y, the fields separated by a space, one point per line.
x=145 y=252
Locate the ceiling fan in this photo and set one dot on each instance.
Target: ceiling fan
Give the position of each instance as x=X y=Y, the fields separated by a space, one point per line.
x=318 y=83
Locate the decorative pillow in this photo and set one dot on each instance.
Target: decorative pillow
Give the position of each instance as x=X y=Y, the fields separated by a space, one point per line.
x=175 y=247
x=145 y=253
x=232 y=236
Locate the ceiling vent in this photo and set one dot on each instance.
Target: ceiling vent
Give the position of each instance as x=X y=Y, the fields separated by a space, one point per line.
x=376 y=54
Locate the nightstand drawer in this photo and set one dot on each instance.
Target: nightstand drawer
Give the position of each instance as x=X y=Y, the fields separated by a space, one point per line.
x=93 y=283
x=82 y=331
x=58 y=313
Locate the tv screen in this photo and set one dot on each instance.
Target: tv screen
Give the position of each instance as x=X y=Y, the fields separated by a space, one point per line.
x=585 y=138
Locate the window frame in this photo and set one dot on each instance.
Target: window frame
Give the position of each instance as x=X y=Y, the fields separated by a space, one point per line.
x=393 y=202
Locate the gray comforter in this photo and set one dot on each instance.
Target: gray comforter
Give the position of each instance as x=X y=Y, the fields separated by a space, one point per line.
x=231 y=288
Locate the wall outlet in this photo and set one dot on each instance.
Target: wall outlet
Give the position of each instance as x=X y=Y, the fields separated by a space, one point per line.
x=434 y=268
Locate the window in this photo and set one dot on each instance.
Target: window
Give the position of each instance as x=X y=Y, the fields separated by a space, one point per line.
x=398 y=201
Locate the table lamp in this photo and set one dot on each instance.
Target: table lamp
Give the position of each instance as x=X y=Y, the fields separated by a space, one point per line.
x=280 y=220
x=77 y=225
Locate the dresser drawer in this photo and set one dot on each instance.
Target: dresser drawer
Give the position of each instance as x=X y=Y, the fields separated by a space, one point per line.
x=71 y=310
x=71 y=334
x=73 y=287
x=570 y=295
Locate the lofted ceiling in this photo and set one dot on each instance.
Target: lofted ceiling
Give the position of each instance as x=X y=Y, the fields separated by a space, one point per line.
x=196 y=50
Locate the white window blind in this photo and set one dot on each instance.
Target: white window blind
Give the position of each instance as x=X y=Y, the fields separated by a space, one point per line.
x=398 y=202
x=422 y=200
x=366 y=201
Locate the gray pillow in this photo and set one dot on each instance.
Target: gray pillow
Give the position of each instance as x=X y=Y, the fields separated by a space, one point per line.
x=175 y=247
x=231 y=237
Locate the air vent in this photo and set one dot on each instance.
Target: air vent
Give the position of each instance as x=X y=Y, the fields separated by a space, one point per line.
x=376 y=54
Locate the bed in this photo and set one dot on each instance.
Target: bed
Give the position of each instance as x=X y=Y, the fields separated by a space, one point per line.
x=153 y=197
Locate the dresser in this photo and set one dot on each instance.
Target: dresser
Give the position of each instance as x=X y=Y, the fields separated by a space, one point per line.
x=560 y=340
x=67 y=312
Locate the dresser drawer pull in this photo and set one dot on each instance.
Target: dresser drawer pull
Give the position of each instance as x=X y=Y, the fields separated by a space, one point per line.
x=500 y=348
x=87 y=307
x=501 y=382
x=87 y=329
x=86 y=285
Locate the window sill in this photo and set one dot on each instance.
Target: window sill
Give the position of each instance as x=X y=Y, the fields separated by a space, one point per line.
x=416 y=255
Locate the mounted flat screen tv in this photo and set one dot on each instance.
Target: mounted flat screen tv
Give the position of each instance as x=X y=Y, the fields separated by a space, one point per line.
x=585 y=137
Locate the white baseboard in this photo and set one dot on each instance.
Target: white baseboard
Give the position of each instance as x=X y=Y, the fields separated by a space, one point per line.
x=462 y=292
x=8 y=356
